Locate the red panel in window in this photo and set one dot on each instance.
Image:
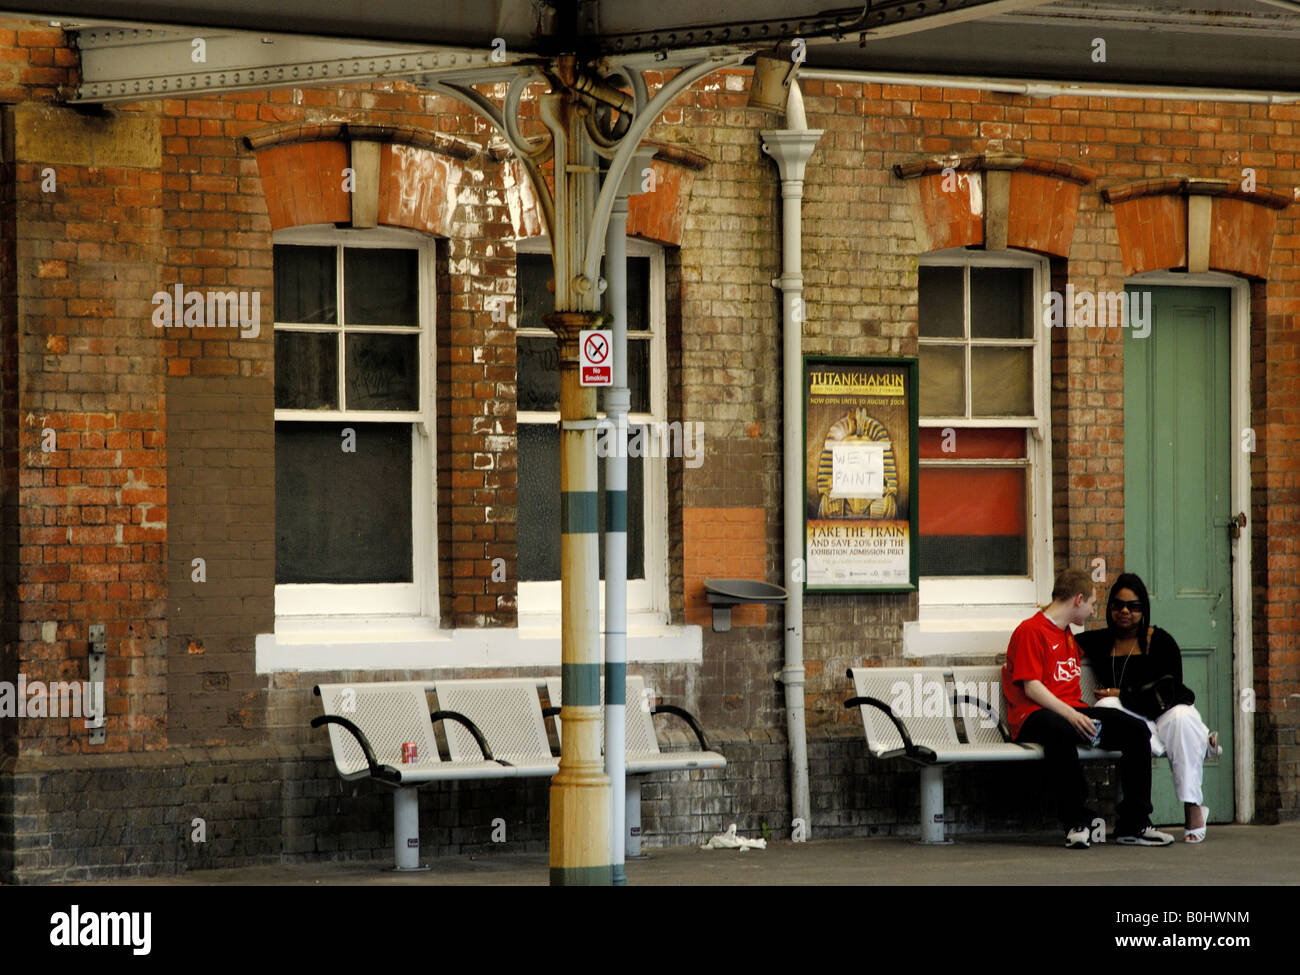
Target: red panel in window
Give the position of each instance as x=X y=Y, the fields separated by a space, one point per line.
x=972 y=442
x=973 y=501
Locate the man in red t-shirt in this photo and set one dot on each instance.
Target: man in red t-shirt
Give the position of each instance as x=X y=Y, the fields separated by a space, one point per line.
x=1041 y=683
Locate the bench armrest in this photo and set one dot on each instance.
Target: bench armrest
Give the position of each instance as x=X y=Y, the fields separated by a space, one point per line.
x=688 y=718
x=472 y=729
x=915 y=752
x=1003 y=730
x=384 y=773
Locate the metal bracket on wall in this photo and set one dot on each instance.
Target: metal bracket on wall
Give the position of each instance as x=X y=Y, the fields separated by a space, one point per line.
x=98 y=671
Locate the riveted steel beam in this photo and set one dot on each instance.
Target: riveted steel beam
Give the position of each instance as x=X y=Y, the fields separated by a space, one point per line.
x=121 y=63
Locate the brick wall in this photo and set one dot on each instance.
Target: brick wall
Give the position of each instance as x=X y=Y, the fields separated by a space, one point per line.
x=104 y=527
x=88 y=542
x=77 y=819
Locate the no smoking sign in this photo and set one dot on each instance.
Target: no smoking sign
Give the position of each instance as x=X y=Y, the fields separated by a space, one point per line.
x=595 y=358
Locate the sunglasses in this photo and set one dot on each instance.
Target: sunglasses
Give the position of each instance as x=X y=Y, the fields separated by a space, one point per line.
x=1133 y=605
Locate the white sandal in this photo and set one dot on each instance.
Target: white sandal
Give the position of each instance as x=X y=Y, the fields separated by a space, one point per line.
x=1198 y=835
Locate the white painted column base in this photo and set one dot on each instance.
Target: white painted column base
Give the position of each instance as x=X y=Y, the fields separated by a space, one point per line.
x=632 y=811
x=406 y=830
x=932 y=805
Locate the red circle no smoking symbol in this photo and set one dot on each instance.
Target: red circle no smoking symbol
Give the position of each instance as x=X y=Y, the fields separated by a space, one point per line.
x=597 y=349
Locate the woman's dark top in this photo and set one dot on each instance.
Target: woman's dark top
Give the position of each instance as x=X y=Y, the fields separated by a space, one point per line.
x=1139 y=669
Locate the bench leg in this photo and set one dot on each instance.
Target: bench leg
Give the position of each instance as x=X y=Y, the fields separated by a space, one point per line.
x=932 y=804
x=406 y=830
x=632 y=816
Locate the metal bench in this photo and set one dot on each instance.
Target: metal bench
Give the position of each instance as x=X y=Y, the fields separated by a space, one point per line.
x=932 y=741
x=508 y=713
x=644 y=756
x=369 y=724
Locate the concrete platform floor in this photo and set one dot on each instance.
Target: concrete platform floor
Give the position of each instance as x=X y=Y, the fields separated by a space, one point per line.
x=1232 y=855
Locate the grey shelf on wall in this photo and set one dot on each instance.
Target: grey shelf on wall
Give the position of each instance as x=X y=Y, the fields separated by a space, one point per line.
x=723 y=594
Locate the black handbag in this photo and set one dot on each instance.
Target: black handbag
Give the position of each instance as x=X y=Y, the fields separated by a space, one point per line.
x=1153 y=698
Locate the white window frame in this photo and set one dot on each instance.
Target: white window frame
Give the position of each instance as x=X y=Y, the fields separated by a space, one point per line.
x=994 y=597
x=648 y=597
x=418 y=598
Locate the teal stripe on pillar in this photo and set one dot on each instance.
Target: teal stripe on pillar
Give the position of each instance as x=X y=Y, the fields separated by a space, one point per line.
x=616 y=511
x=582 y=876
x=615 y=683
x=578 y=512
x=580 y=686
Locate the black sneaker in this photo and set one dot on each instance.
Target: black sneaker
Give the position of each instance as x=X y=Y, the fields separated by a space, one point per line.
x=1080 y=838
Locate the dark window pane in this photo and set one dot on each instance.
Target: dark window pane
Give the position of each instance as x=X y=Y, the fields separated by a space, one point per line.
x=635 y=518
x=1000 y=302
x=532 y=272
x=638 y=374
x=306 y=370
x=539 y=507
x=342 y=517
x=539 y=502
x=304 y=284
x=973 y=555
x=940 y=302
x=382 y=372
x=1002 y=381
x=381 y=286
x=638 y=294
x=943 y=380
x=539 y=373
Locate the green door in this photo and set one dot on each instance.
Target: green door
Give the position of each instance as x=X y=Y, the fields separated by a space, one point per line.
x=1177 y=477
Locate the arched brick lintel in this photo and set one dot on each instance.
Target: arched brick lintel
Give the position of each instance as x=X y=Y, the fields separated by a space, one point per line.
x=995 y=201
x=657 y=214
x=393 y=181
x=1197 y=225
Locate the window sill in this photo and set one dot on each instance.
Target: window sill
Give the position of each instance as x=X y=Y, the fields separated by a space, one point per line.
x=950 y=638
x=408 y=643
x=986 y=636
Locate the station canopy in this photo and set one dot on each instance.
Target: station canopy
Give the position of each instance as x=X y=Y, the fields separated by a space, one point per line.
x=1244 y=45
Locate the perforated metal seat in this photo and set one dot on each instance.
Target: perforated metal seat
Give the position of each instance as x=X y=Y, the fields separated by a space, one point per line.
x=927 y=732
x=509 y=714
x=979 y=702
x=369 y=724
x=644 y=755
x=1087 y=685
x=643 y=752
x=389 y=715
x=924 y=732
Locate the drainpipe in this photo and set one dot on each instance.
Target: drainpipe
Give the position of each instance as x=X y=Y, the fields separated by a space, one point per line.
x=617 y=401
x=791 y=147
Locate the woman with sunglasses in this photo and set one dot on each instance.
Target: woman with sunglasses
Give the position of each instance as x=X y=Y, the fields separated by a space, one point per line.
x=1139 y=669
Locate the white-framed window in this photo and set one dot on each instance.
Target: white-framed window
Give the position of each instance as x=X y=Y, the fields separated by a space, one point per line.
x=539 y=438
x=354 y=397
x=984 y=459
